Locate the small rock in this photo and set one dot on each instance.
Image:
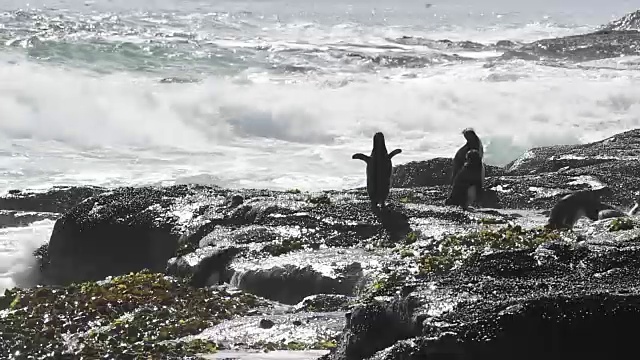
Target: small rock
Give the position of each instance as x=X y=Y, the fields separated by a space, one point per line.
x=234 y=201
x=266 y=324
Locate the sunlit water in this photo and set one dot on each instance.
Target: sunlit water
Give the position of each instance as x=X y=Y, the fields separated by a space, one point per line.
x=277 y=94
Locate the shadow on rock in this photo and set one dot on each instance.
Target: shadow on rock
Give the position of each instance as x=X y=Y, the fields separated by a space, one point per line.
x=394 y=222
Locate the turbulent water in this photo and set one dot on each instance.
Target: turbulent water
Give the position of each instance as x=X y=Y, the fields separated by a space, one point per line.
x=277 y=94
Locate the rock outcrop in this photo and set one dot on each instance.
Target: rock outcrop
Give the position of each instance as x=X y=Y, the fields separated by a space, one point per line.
x=418 y=279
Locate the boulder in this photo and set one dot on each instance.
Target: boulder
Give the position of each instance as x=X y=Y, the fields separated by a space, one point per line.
x=55 y=200
x=114 y=233
x=550 y=301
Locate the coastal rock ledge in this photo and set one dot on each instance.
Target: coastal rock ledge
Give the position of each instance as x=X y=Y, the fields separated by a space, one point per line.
x=417 y=281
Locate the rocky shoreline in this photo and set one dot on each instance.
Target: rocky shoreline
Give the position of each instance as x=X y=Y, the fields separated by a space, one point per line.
x=197 y=269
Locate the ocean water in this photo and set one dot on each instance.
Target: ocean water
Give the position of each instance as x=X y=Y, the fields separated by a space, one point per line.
x=279 y=94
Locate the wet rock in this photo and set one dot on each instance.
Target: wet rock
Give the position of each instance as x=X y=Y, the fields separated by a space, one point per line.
x=234 y=200
x=497 y=304
x=618 y=38
x=205 y=266
x=324 y=303
x=432 y=172
x=281 y=331
x=505 y=44
x=619 y=147
x=266 y=324
x=594 y=46
x=56 y=200
x=291 y=283
x=628 y=22
x=443 y=44
x=115 y=318
x=126 y=230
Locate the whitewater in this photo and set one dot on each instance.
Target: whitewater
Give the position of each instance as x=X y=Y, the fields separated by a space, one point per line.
x=276 y=94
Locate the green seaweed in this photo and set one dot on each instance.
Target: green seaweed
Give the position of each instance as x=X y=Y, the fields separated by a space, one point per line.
x=492 y=221
x=127 y=317
x=621 y=223
x=405 y=253
x=385 y=285
x=411 y=238
x=326 y=344
x=455 y=249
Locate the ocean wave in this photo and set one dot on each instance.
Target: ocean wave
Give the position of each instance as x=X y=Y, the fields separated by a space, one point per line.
x=115 y=128
x=227 y=43
x=17 y=264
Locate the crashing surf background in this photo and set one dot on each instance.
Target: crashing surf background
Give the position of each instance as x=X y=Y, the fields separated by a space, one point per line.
x=277 y=94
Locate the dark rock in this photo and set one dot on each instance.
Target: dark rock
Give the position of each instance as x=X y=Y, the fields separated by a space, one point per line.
x=620 y=147
x=205 y=266
x=443 y=44
x=56 y=200
x=432 y=172
x=628 y=22
x=594 y=46
x=505 y=44
x=115 y=233
x=266 y=324
x=286 y=246
x=618 y=38
x=234 y=200
x=289 y=283
x=496 y=305
x=324 y=303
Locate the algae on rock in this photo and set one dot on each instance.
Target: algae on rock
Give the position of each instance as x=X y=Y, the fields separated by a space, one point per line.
x=125 y=317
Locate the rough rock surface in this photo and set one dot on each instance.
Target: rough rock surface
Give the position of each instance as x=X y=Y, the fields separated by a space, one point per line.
x=56 y=200
x=552 y=301
x=616 y=39
x=327 y=251
x=418 y=280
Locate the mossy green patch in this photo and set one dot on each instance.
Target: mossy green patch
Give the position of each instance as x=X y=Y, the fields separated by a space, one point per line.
x=492 y=221
x=621 y=223
x=411 y=238
x=385 y=285
x=409 y=198
x=453 y=250
x=127 y=317
x=327 y=344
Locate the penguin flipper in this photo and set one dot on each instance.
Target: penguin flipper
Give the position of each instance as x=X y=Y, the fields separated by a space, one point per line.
x=361 y=156
x=394 y=153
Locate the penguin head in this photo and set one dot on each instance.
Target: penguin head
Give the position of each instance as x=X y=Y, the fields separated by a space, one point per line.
x=378 y=141
x=470 y=134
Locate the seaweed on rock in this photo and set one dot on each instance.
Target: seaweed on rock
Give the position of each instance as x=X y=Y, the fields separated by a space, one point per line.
x=455 y=249
x=125 y=317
